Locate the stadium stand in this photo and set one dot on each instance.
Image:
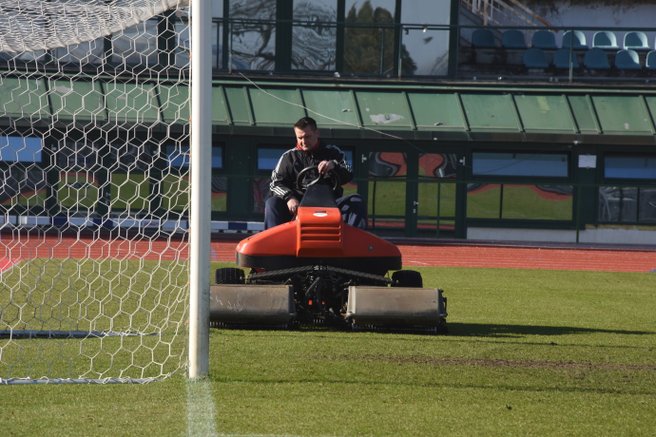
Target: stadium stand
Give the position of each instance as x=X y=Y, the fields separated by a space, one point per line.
x=650 y=60
x=627 y=60
x=596 y=59
x=544 y=39
x=535 y=59
x=513 y=39
x=605 y=39
x=563 y=57
x=575 y=39
x=483 y=38
x=636 y=40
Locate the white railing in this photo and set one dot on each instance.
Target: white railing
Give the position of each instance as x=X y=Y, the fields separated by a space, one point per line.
x=504 y=13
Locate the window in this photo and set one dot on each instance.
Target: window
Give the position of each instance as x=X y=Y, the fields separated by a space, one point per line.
x=253 y=34
x=314 y=34
x=20 y=149
x=369 y=37
x=520 y=164
x=631 y=202
x=178 y=156
x=630 y=167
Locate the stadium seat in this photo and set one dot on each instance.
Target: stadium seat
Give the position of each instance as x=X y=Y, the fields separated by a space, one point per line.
x=562 y=58
x=513 y=39
x=483 y=38
x=574 y=38
x=636 y=40
x=627 y=60
x=544 y=39
x=535 y=59
x=605 y=39
x=650 y=60
x=596 y=59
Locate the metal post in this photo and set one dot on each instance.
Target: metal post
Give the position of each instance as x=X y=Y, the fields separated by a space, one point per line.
x=201 y=158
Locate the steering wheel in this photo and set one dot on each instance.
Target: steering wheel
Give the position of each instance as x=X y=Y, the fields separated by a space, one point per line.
x=312 y=173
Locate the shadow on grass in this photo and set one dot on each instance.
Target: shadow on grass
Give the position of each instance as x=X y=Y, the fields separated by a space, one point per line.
x=503 y=330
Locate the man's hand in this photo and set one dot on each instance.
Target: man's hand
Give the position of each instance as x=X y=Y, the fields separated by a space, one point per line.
x=325 y=166
x=292 y=204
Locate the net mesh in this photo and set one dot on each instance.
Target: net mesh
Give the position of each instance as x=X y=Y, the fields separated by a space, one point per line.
x=94 y=134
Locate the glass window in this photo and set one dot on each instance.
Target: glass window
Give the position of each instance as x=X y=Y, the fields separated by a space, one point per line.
x=253 y=40
x=314 y=34
x=88 y=52
x=519 y=201
x=369 y=37
x=20 y=149
x=630 y=167
x=267 y=158
x=178 y=156
x=387 y=190
x=519 y=164
x=425 y=50
x=136 y=45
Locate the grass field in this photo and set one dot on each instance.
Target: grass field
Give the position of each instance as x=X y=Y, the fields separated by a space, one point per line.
x=529 y=353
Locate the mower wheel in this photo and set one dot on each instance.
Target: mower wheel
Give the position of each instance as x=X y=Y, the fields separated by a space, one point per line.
x=229 y=275
x=407 y=278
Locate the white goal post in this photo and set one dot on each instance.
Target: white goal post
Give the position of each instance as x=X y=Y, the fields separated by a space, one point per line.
x=105 y=191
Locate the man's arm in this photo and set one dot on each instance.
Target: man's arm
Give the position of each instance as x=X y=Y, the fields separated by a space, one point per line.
x=280 y=185
x=339 y=165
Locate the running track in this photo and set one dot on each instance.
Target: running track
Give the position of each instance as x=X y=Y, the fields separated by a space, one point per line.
x=14 y=250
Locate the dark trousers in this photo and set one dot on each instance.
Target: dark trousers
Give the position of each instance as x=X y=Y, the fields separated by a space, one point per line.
x=354 y=211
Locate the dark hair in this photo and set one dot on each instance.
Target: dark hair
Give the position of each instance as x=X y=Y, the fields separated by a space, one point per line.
x=306 y=122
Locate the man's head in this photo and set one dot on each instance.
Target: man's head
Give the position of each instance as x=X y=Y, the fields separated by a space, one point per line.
x=307 y=133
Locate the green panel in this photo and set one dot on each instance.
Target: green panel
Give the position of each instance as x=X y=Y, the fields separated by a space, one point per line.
x=626 y=115
x=545 y=113
x=220 y=113
x=81 y=101
x=332 y=108
x=240 y=106
x=175 y=102
x=437 y=111
x=131 y=103
x=490 y=112
x=651 y=104
x=384 y=109
x=584 y=114
x=276 y=107
x=23 y=98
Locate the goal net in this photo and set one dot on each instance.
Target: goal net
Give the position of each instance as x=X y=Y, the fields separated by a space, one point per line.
x=94 y=190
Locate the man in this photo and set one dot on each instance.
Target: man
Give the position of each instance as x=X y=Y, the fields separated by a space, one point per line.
x=309 y=151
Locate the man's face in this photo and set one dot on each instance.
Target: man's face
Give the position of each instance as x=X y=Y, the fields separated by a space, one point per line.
x=307 y=138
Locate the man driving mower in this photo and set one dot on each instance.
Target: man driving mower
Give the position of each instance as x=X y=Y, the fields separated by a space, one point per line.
x=286 y=194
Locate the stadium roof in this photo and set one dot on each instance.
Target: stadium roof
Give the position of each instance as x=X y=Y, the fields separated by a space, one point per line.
x=419 y=112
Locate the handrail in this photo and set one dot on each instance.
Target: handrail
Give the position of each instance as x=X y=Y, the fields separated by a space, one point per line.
x=508 y=14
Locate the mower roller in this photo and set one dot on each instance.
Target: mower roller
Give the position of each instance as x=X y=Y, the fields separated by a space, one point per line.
x=319 y=271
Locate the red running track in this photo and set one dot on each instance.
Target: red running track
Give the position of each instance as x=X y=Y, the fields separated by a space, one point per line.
x=14 y=249
x=606 y=260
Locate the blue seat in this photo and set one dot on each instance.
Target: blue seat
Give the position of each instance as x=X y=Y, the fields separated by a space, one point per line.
x=650 y=60
x=575 y=39
x=513 y=39
x=605 y=39
x=627 y=60
x=534 y=58
x=596 y=59
x=562 y=58
x=544 y=39
x=483 y=38
x=636 y=40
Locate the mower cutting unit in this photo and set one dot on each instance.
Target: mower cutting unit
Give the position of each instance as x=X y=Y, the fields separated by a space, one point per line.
x=317 y=270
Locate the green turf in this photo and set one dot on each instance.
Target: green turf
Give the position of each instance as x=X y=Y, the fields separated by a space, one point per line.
x=529 y=353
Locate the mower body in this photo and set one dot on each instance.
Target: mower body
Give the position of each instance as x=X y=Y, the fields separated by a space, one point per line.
x=317 y=270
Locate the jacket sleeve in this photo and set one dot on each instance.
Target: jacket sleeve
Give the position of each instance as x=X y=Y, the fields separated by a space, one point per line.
x=342 y=168
x=282 y=182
